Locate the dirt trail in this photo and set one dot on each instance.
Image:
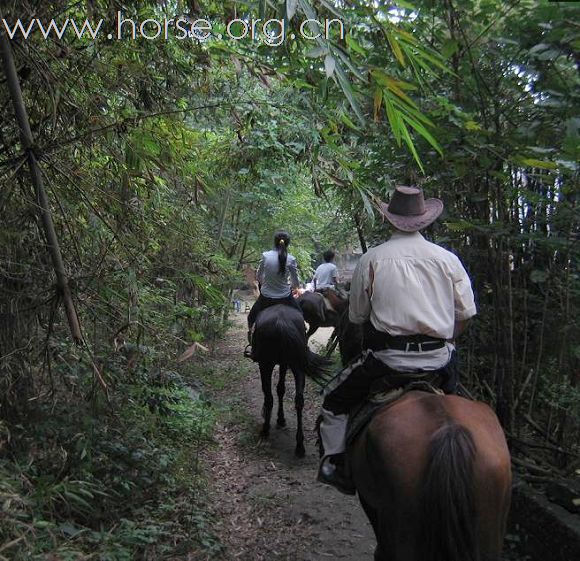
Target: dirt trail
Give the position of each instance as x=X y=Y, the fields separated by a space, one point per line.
x=267 y=503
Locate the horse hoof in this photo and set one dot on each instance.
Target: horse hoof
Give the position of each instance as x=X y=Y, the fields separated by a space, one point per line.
x=300 y=452
x=281 y=423
x=264 y=434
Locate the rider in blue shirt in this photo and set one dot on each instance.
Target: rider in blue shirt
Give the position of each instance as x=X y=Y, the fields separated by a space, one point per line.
x=326 y=275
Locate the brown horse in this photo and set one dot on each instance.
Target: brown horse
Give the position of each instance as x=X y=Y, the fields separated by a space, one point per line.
x=316 y=314
x=433 y=474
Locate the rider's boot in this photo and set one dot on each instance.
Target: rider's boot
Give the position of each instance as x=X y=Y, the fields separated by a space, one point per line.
x=332 y=472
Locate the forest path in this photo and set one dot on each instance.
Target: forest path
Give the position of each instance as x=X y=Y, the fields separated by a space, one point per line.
x=266 y=503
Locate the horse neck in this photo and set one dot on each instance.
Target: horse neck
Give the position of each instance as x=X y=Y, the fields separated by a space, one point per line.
x=336 y=301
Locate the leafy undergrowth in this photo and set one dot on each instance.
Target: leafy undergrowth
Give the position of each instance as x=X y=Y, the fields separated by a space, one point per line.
x=109 y=479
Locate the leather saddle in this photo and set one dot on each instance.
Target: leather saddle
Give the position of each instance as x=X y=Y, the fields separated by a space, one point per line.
x=387 y=391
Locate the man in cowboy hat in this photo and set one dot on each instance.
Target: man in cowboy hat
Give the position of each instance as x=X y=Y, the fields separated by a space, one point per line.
x=414 y=298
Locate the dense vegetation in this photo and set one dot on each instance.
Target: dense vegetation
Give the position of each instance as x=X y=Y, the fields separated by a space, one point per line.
x=168 y=164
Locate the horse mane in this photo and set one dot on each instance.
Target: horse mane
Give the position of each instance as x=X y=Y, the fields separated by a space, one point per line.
x=447 y=530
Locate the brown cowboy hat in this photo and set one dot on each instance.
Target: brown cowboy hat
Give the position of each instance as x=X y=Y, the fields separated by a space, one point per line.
x=409 y=211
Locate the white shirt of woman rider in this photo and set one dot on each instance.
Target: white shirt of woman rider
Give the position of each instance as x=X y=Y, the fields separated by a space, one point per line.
x=273 y=284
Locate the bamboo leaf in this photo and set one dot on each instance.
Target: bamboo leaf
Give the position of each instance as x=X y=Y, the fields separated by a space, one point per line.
x=409 y=141
x=348 y=62
x=396 y=48
x=393 y=118
x=346 y=86
x=378 y=100
x=348 y=122
x=403 y=4
x=329 y=65
x=332 y=9
x=367 y=204
x=393 y=86
x=353 y=44
x=399 y=105
x=317 y=52
x=533 y=162
x=291 y=6
x=423 y=132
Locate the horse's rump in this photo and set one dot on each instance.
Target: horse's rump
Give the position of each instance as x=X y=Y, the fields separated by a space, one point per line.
x=433 y=473
x=279 y=336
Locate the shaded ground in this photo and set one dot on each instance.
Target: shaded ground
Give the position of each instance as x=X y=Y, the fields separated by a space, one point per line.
x=266 y=503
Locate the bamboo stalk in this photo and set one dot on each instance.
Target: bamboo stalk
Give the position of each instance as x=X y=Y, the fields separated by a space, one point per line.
x=37 y=180
x=540 y=350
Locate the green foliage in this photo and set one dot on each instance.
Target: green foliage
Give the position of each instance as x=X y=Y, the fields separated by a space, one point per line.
x=108 y=483
x=170 y=164
x=562 y=397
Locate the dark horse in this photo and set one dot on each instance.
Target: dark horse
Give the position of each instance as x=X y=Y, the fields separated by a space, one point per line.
x=280 y=338
x=433 y=475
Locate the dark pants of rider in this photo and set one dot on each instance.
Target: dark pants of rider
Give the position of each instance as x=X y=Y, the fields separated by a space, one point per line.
x=264 y=302
x=378 y=340
x=355 y=389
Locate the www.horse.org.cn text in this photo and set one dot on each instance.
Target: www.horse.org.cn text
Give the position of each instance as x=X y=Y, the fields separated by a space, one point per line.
x=272 y=32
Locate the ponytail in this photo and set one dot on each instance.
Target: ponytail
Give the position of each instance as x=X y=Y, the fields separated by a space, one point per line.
x=282 y=257
x=281 y=243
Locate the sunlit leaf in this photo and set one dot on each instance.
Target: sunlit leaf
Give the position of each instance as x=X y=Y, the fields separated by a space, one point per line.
x=396 y=48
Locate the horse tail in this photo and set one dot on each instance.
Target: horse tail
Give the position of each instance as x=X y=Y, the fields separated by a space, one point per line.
x=318 y=366
x=447 y=529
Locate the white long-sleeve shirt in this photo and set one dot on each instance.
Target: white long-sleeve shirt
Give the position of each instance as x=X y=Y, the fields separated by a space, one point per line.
x=410 y=286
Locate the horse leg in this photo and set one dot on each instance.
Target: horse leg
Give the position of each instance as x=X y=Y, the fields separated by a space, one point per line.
x=371 y=514
x=266 y=377
x=280 y=390
x=299 y=380
x=332 y=343
x=312 y=329
x=373 y=517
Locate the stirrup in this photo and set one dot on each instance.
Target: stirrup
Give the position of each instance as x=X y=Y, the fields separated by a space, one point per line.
x=248 y=351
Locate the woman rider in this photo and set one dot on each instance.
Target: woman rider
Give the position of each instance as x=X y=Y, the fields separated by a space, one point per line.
x=276 y=275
